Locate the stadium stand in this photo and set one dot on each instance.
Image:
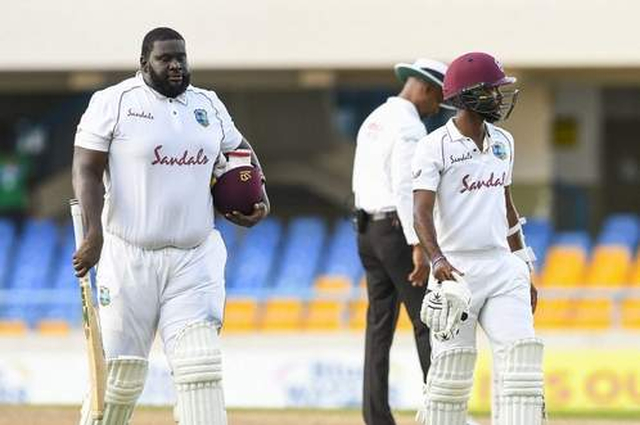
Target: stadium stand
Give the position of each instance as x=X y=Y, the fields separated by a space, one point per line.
x=301 y=255
x=306 y=275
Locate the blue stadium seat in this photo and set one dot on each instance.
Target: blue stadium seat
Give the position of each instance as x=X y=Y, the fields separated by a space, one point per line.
x=342 y=253
x=621 y=222
x=539 y=233
x=621 y=229
x=255 y=258
x=7 y=241
x=32 y=268
x=579 y=239
x=228 y=232
x=65 y=304
x=302 y=250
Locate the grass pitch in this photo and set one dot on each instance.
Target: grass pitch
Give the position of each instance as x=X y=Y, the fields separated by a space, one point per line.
x=54 y=415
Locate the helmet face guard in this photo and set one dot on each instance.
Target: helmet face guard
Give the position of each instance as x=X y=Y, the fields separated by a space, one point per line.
x=493 y=103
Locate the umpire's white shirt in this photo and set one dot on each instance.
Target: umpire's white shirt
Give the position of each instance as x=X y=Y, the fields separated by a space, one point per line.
x=161 y=156
x=386 y=143
x=470 y=209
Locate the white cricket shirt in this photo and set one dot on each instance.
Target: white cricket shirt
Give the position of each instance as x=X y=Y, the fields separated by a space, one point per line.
x=161 y=156
x=386 y=143
x=470 y=209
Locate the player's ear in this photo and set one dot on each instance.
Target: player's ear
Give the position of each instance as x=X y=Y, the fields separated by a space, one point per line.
x=143 y=63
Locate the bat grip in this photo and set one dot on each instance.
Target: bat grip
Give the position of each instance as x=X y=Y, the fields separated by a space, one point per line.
x=76 y=218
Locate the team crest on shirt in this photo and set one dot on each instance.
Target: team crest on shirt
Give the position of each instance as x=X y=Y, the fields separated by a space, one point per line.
x=104 y=296
x=201 y=117
x=499 y=149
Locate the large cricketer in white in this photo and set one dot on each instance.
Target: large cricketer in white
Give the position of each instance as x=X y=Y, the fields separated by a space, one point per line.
x=162 y=262
x=470 y=221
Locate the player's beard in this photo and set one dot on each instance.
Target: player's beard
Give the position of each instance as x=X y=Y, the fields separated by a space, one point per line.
x=164 y=86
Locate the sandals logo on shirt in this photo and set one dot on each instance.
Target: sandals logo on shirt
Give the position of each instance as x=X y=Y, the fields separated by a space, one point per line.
x=499 y=150
x=201 y=117
x=104 y=296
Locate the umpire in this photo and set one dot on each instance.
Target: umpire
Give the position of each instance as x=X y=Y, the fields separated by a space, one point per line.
x=395 y=263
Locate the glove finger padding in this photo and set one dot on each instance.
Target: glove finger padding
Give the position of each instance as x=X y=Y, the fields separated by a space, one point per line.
x=434 y=310
x=457 y=298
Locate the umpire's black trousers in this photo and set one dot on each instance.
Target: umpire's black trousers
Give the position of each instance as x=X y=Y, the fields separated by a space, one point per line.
x=387 y=261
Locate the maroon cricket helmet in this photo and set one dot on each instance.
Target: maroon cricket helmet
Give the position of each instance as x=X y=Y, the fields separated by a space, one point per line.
x=473 y=70
x=470 y=83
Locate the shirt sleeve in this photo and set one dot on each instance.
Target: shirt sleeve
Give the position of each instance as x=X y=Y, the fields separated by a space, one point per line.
x=427 y=164
x=95 y=130
x=402 y=152
x=231 y=135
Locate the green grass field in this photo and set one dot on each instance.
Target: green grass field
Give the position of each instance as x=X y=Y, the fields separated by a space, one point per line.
x=53 y=415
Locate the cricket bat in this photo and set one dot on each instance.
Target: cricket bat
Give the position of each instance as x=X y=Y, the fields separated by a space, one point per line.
x=91 y=326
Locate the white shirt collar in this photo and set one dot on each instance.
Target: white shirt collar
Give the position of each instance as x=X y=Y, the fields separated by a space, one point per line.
x=182 y=97
x=456 y=136
x=410 y=107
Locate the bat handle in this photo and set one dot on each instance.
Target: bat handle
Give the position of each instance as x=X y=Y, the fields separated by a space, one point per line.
x=76 y=218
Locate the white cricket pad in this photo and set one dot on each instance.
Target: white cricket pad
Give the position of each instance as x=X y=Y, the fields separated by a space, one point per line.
x=197 y=372
x=522 y=384
x=448 y=388
x=125 y=381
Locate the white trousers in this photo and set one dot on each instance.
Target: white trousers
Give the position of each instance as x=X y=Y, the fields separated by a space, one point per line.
x=500 y=300
x=143 y=291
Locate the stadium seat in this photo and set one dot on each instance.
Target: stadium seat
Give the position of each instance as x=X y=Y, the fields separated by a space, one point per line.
x=610 y=266
x=282 y=314
x=565 y=266
x=631 y=314
x=622 y=229
x=7 y=241
x=32 y=268
x=342 y=254
x=634 y=278
x=324 y=315
x=555 y=313
x=302 y=248
x=566 y=260
x=333 y=285
x=358 y=314
x=593 y=314
x=255 y=257
x=240 y=315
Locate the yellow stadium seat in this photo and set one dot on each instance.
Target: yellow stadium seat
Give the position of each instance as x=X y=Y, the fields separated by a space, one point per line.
x=631 y=314
x=13 y=327
x=565 y=266
x=610 y=266
x=634 y=278
x=282 y=314
x=358 y=314
x=324 y=315
x=338 y=285
x=555 y=313
x=404 y=322
x=240 y=315
x=53 y=327
x=593 y=314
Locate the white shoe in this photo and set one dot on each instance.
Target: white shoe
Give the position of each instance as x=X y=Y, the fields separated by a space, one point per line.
x=470 y=421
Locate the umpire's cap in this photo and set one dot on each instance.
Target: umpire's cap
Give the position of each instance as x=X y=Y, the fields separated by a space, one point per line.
x=429 y=70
